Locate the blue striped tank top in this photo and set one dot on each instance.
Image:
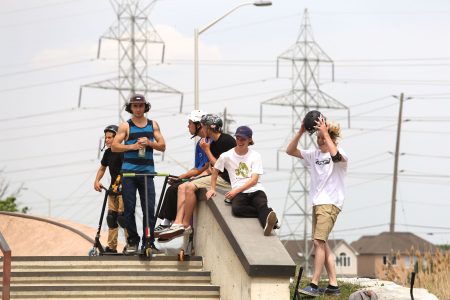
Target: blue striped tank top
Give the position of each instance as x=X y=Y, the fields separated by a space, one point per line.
x=131 y=161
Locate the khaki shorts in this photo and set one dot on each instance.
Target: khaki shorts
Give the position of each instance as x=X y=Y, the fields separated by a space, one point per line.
x=205 y=182
x=323 y=219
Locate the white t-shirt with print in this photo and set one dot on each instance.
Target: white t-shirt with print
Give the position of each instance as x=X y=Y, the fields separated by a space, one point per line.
x=241 y=167
x=327 y=177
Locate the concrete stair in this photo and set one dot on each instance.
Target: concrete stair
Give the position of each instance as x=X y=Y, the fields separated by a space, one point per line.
x=110 y=277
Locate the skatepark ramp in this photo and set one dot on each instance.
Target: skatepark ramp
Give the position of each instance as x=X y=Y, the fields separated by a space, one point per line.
x=110 y=277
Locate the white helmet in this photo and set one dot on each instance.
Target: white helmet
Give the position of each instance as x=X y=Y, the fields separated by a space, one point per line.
x=196 y=115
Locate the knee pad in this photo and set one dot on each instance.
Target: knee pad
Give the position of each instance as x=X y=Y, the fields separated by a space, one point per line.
x=121 y=220
x=111 y=219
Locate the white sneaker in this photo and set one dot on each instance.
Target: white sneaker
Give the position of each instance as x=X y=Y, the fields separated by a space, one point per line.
x=174 y=231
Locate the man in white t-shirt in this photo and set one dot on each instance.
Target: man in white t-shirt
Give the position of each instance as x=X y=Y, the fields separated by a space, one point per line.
x=244 y=166
x=328 y=167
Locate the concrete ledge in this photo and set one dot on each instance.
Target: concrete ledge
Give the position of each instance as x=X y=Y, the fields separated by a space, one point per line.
x=245 y=263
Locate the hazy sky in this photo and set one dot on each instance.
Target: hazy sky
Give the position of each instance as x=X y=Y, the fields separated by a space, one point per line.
x=380 y=48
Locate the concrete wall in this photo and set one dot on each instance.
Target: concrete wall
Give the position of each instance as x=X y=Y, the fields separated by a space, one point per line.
x=243 y=262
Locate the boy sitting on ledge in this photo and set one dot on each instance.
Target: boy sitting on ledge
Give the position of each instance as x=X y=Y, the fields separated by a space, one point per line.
x=247 y=196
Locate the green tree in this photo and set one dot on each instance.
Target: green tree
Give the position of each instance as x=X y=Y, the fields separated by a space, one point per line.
x=9 y=204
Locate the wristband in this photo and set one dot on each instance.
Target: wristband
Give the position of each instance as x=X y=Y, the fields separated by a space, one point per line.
x=337 y=157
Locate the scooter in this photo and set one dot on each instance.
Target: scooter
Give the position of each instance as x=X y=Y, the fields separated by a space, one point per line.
x=147 y=231
x=98 y=247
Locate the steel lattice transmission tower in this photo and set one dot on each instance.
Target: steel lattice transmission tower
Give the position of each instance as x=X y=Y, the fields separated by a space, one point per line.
x=305 y=56
x=134 y=33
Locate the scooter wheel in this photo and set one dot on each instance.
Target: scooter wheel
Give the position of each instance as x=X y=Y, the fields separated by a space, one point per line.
x=93 y=252
x=148 y=252
x=181 y=255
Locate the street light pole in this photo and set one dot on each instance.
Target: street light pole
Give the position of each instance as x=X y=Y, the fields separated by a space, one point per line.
x=197 y=33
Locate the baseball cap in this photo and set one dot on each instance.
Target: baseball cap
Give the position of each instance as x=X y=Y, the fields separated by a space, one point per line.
x=245 y=132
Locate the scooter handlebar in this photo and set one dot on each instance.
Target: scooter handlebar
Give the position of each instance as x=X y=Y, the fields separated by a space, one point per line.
x=147 y=174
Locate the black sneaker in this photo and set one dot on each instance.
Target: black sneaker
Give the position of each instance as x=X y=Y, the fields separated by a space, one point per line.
x=130 y=249
x=332 y=291
x=155 y=250
x=271 y=220
x=109 y=250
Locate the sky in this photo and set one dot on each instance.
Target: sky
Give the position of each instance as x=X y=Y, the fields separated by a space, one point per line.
x=50 y=146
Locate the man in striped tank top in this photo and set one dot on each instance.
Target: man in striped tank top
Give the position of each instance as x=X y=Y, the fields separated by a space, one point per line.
x=140 y=136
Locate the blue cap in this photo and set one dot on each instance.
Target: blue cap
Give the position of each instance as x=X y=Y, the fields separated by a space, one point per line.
x=245 y=132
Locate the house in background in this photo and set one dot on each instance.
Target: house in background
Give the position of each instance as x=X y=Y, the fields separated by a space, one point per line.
x=345 y=255
x=378 y=250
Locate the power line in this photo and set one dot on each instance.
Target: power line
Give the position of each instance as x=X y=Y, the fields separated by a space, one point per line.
x=65 y=164
x=52 y=82
x=20 y=10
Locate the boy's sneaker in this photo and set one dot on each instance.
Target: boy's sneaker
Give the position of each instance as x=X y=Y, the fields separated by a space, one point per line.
x=271 y=220
x=109 y=250
x=310 y=291
x=332 y=291
x=174 y=231
x=130 y=249
x=160 y=228
x=156 y=250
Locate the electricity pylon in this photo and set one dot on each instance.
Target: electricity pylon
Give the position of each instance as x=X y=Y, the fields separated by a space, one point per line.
x=134 y=33
x=305 y=95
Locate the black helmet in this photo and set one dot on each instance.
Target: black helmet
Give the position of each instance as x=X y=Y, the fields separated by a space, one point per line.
x=111 y=128
x=310 y=120
x=137 y=98
x=213 y=121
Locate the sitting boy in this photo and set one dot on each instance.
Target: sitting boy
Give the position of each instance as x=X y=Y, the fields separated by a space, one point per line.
x=244 y=166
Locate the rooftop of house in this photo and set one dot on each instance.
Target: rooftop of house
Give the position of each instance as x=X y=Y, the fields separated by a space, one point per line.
x=386 y=242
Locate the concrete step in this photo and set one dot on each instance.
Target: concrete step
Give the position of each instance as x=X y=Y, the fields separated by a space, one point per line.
x=116 y=292
x=100 y=263
x=110 y=278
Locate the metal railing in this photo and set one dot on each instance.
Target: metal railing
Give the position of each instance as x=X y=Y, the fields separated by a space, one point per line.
x=6 y=268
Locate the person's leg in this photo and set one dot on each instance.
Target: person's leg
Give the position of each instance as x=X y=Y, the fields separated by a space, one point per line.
x=259 y=201
x=330 y=266
x=189 y=204
x=169 y=207
x=150 y=213
x=241 y=206
x=111 y=220
x=324 y=219
x=181 y=199
x=319 y=260
x=120 y=215
x=129 y=200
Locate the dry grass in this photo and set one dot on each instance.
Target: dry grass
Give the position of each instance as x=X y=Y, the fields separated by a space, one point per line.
x=432 y=272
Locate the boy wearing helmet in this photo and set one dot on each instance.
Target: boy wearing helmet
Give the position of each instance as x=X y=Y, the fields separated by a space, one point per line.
x=113 y=161
x=247 y=196
x=169 y=208
x=328 y=167
x=219 y=142
x=138 y=133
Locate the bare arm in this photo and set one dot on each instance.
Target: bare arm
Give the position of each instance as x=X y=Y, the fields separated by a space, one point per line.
x=212 y=190
x=251 y=182
x=159 y=143
x=331 y=146
x=121 y=135
x=193 y=172
x=292 y=147
x=207 y=148
x=97 y=184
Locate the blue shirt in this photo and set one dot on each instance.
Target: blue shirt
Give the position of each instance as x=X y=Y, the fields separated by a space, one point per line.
x=200 y=156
